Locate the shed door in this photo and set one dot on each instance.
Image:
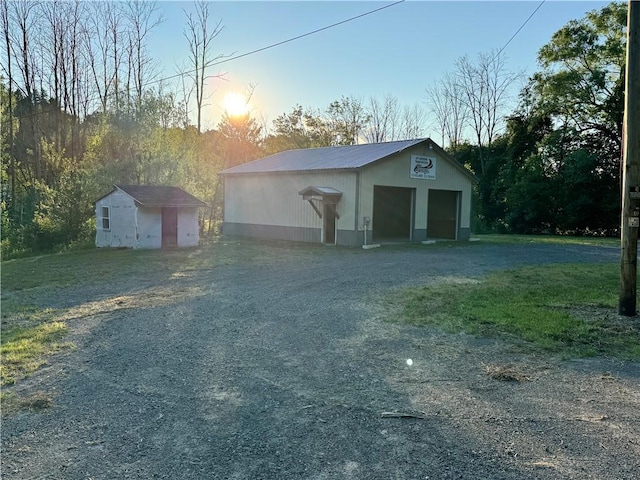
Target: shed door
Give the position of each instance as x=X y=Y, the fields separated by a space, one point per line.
x=442 y=214
x=169 y=227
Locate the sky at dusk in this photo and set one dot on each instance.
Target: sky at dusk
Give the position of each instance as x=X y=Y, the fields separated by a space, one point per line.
x=399 y=50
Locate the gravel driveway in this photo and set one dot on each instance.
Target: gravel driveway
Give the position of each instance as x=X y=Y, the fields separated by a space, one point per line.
x=281 y=368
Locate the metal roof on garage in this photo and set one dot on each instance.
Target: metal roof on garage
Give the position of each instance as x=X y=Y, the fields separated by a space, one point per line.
x=324 y=158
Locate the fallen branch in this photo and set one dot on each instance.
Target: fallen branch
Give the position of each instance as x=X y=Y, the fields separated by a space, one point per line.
x=403 y=415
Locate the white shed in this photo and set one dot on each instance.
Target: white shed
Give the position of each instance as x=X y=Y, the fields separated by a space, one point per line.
x=409 y=190
x=147 y=216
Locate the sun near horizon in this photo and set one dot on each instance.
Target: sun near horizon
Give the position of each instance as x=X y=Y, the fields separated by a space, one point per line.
x=235 y=104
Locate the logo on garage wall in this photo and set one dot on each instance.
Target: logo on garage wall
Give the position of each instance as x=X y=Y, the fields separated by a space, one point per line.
x=423 y=167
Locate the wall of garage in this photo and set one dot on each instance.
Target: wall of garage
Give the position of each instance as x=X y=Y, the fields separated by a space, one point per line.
x=395 y=172
x=269 y=205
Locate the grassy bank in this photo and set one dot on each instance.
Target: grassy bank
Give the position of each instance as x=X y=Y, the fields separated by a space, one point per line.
x=568 y=309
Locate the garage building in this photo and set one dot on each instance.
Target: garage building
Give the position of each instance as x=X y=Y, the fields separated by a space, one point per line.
x=409 y=190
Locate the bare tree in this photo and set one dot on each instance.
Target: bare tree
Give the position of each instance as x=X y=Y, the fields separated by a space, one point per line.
x=383 y=119
x=200 y=38
x=116 y=44
x=53 y=43
x=412 y=122
x=486 y=91
x=142 y=19
x=62 y=44
x=449 y=107
x=104 y=55
x=25 y=23
x=23 y=17
x=187 y=92
x=4 y=22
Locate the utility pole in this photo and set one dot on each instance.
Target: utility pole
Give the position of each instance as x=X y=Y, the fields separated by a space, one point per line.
x=630 y=222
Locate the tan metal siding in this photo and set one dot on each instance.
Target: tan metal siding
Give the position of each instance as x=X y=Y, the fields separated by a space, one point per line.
x=395 y=171
x=274 y=199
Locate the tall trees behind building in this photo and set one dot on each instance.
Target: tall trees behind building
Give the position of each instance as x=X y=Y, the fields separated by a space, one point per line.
x=555 y=168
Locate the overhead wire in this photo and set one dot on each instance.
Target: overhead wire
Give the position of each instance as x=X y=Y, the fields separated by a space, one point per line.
x=298 y=37
x=277 y=44
x=519 y=29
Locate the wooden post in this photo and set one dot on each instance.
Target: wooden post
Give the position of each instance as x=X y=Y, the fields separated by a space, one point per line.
x=631 y=167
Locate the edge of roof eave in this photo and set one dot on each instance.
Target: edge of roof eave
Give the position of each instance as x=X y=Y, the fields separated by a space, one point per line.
x=272 y=172
x=113 y=189
x=156 y=205
x=415 y=142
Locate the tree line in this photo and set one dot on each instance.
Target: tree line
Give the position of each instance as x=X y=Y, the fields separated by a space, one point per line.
x=83 y=107
x=556 y=167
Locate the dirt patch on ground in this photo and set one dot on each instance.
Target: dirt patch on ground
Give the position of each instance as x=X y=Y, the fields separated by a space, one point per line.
x=297 y=369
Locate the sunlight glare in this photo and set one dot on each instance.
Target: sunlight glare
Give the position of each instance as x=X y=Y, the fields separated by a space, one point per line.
x=235 y=104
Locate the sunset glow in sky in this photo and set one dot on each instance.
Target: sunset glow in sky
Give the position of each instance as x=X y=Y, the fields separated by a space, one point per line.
x=399 y=51
x=235 y=104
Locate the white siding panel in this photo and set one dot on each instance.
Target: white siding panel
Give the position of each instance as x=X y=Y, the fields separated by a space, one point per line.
x=274 y=199
x=149 y=228
x=122 y=232
x=188 y=233
x=395 y=171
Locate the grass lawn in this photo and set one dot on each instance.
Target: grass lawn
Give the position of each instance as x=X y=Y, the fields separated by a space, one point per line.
x=555 y=239
x=568 y=309
x=23 y=349
x=98 y=266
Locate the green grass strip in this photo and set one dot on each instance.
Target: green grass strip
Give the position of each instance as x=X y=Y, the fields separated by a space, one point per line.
x=567 y=308
x=548 y=239
x=23 y=349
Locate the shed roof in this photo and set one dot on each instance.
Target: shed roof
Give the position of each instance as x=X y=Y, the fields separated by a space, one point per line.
x=324 y=194
x=324 y=158
x=320 y=191
x=159 y=196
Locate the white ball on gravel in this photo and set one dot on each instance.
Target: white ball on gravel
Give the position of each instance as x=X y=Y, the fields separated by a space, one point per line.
x=409 y=362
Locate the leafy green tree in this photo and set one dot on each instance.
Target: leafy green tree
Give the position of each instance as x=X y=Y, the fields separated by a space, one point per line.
x=347 y=119
x=533 y=206
x=240 y=137
x=290 y=132
x=343 y=122
x=556 y=168
x=581 y=84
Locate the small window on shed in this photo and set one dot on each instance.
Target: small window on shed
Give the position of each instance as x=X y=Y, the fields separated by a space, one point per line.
x=106 y=219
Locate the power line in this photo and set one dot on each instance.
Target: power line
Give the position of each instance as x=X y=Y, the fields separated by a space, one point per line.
x=518 y=31
x=277 y=44
x=252 y=52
